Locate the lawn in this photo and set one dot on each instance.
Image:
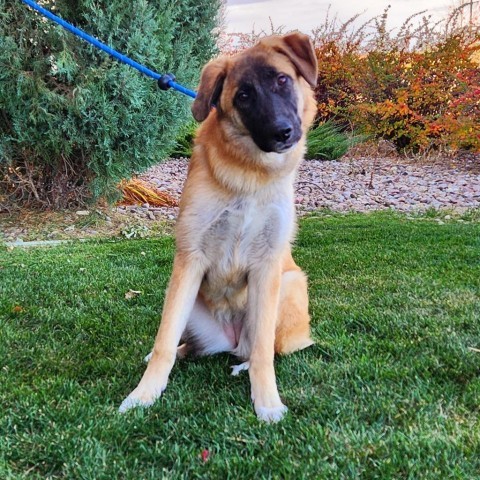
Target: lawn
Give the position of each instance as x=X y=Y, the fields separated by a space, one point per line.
x=390 y=390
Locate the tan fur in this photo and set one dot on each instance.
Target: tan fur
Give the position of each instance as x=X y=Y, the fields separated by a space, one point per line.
x=237 y=216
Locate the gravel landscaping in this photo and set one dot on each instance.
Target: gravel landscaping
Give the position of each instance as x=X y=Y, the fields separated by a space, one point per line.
x=362 y=184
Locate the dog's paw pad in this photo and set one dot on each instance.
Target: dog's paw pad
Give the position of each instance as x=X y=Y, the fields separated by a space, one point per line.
x=271 y=414
x=236 y=369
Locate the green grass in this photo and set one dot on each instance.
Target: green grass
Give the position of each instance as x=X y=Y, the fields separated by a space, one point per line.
x=390 y=390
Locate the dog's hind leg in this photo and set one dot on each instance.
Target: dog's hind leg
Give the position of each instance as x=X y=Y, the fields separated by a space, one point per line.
x=293 y=323
x=236 y=369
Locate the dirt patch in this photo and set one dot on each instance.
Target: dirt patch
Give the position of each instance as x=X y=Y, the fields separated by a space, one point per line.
x=100 y=222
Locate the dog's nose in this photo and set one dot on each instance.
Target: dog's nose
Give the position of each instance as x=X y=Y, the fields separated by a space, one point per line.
x=283 y=132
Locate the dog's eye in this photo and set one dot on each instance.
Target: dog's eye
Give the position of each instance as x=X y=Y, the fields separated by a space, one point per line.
x=282 y=80
x=243 y=95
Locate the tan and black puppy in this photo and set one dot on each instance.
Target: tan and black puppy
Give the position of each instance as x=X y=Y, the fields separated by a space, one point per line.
x=235 y=287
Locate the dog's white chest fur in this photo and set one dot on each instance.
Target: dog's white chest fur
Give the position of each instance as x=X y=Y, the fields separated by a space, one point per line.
x=242 y=232
x=239 y=236
x=246 y=230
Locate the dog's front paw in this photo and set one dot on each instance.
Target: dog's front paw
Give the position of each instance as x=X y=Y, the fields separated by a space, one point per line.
x=268 y=406
x=271 y=414
x=142 y=396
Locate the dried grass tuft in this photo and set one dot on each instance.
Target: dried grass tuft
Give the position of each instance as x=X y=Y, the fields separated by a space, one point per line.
x=137 y=191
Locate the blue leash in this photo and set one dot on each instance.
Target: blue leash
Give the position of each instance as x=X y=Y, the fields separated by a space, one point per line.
x=164 y=81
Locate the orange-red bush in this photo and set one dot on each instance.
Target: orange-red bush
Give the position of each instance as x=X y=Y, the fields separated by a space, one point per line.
x=417 y=99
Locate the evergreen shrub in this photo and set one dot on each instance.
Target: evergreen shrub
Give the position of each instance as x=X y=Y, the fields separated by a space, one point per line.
x=327 y=141
x=73 y=121
x=183 y=147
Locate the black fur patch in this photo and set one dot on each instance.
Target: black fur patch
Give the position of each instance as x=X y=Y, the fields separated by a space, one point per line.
x=267 y=103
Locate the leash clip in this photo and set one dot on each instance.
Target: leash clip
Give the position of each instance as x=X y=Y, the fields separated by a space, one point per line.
x=164 y=80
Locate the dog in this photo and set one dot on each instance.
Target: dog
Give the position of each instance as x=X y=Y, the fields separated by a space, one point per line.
x=235 y=286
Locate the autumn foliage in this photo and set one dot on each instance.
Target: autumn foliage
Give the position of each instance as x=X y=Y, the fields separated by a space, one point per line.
x=419 y=100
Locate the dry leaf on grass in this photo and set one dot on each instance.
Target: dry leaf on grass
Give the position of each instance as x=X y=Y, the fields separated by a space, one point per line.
x=132 y=294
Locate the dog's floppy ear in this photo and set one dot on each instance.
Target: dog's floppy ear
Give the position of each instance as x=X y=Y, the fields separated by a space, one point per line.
x=210 y=88
x=299 y=49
